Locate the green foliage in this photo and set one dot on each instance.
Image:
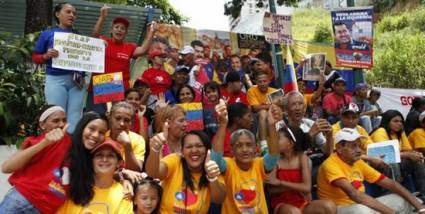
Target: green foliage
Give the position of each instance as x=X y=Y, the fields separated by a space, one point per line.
x=312 y=25
x=169 y=13
x=233 y=7
x=21 y=89
x=399 y=42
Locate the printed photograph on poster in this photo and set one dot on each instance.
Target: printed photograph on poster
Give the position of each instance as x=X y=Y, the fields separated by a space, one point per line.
x=172 y=33
x=388 y=151
x=315 y=64
x=216 y=40
x=353 y=37
x=275 y=95
x=79 y=53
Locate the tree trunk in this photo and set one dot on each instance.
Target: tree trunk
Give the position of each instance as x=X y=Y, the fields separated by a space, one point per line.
x=38 y=15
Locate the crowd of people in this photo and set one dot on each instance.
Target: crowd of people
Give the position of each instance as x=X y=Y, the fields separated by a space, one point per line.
x=300 y=153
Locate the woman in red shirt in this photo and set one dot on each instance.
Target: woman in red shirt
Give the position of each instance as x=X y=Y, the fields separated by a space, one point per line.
x=118 y=53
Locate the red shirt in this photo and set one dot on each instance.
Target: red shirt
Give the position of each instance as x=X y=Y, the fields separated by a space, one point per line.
x=158 y=80
x=227 y=149
x=117 y=59
x=334 y=103
x=40 y=181
x=136 y=126
x=232 y=98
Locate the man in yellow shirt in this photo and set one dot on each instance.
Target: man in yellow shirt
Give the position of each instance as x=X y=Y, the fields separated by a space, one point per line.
x=342 y=175
x=417 y=137
x=258 y=99
x=350 y=119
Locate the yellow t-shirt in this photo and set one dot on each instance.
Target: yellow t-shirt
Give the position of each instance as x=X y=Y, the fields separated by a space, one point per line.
x=364 y=141
x=380 y=135
x=417 y=138
x=245 y=192
x=110 y=200
x=334 y=168
x=137 y=144
x=307 y=99
x=256 y=97
x=174 y=198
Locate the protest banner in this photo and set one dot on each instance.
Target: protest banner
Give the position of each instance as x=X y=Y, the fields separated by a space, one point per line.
x=216 y=40
x=398 y=98
x=315 y=64
x=389 y=151
x=251 y=41
x=277 y=28
x=353 y=34
x=108 y=88
x=171 y=33
x=79 y=53
x=194 y=115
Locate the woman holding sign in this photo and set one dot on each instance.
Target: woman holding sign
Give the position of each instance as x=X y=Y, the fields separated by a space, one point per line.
x=62 y=87
x=118 y=53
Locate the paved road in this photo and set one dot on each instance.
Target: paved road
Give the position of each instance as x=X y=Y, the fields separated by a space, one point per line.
x=5 y=153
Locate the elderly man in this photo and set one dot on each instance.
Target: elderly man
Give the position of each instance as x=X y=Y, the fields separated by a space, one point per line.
x=342 y=175
x=295 y=108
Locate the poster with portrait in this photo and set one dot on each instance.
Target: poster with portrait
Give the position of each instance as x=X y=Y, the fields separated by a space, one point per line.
x=172 y=33
x=353 y=37
x=215 y=40
x=315 y=64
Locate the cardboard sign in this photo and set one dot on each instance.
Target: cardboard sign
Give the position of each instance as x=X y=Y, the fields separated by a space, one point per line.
x=79 y=53
x=277 y=28
x=108 y=88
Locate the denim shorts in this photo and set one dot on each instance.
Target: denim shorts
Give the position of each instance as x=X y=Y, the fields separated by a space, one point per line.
x=15 y=203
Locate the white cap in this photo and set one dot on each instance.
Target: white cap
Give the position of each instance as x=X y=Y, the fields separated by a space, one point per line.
x=351 y=107
x=187 y=50
x=422 y=117
x=347 y=134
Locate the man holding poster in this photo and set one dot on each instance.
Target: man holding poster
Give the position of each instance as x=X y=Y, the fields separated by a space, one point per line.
x=352 y=30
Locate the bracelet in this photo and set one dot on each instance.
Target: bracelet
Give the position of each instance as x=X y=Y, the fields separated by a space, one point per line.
x=212 y=179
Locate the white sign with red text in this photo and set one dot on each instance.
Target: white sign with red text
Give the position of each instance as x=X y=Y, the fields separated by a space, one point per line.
x=398 y=98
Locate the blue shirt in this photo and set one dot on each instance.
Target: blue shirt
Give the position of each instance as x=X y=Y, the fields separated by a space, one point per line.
x=44 y=43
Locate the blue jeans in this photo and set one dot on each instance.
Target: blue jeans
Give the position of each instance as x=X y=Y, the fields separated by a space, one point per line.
x=366 y=122
x=15 y=203
x=61 y=90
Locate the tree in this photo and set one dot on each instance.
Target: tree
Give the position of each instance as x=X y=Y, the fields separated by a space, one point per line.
x=38 y=15
x=169 y=13
x=233 y=7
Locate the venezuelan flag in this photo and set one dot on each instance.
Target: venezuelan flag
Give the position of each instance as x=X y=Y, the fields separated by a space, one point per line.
x=290 y=78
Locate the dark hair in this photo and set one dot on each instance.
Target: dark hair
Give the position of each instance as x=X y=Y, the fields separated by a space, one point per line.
x=57 y=8
x=236 y=111
x=196 y=43
x=264 y=56
x=80 y=162
x=385 y=122
x=160 y=39
x=417 y=102
x=36 y=123
x=128 y=91
x=153 y=183
x=302 y=140
x=187 y=175
x=375 y=92
x=328 y=64
x=259 y=73
x=211 y=85
x=235 y=56
x=185 y=86
x=338 y=24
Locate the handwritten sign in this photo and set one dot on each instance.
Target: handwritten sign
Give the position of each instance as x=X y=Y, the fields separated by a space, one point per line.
x=277 y=28
x=79 y=53
x=194 y=115
x=108 y=88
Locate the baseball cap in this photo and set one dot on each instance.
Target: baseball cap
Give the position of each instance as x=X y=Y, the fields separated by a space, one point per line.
x=182 y=68
x=232 y=76
x=340 y=79
x=122 y=20
x=422 y=117
x=347 y=134
x=360 y=86
x=351 y=107
x=108 y=143
x=187 y=50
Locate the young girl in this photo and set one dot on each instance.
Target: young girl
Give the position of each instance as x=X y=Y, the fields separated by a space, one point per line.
x=147 y=196
x=290 y=183
x=210 y=98
x=140 y=123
